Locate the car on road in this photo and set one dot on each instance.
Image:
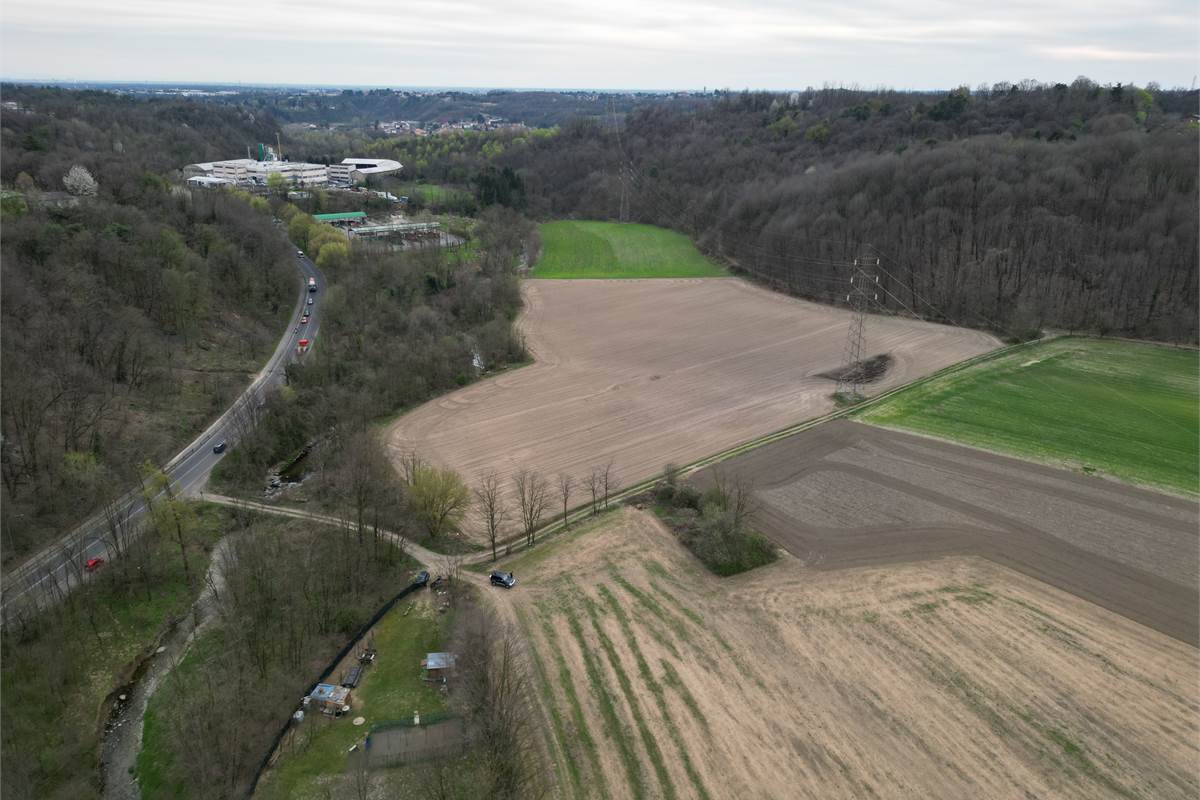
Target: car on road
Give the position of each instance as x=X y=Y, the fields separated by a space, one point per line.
x=310 y=301
x=304 y=320
x=93 y=564
x=220 y=448
x=300 y=253
x=422 y=578
x=505 y=579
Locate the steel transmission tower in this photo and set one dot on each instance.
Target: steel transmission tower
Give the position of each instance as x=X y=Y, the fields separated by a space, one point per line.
x=863 y=292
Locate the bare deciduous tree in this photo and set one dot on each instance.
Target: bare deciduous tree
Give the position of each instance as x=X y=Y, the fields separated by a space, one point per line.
x=595 y=486
x=489 y=506
x=565 y=484
x=735 y=495
x=410 y=464
x=532 y=498
x=496 y=692
x=610 y=482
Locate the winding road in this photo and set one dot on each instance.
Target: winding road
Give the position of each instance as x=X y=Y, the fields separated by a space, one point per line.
x=59 y=567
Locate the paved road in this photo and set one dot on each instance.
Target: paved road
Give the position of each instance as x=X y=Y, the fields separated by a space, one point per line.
x=59 y=566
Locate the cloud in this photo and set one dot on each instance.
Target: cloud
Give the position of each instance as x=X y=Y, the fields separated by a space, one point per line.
x=609 y=44
x=1089 y=53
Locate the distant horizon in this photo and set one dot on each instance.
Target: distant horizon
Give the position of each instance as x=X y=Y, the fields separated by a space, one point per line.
x=480 y=88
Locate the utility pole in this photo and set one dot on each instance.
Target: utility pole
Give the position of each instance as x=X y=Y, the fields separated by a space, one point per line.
x=863 y=291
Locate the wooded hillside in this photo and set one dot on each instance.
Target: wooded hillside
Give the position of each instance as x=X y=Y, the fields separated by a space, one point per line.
x=133 y=310
x=1011 y=208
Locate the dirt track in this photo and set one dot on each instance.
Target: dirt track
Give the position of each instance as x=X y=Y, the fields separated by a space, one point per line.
x=846 y=494
x=950 y=678
x=648 y=372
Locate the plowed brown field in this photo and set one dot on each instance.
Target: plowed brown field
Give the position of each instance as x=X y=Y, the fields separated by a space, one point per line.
x=951 y=678
x=847 y=494
x=646 y=372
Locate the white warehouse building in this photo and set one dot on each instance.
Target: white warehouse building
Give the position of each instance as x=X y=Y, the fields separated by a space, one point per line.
x=250 y=171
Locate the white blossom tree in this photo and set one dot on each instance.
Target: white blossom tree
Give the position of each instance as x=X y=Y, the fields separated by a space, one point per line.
x=80 y=182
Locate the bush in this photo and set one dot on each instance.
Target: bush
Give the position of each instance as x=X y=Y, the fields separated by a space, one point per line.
x=687 y=496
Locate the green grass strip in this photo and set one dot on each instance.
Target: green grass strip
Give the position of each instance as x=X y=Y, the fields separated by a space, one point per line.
x=616 y=731
x=648 y=740
x=560 y=733
x=671 y=678
x=655 y=689
x=582 y=734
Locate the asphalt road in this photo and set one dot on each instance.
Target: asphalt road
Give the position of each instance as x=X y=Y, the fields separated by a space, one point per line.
x=60 y=566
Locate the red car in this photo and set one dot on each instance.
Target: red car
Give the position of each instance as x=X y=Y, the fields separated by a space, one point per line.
x=93 y=564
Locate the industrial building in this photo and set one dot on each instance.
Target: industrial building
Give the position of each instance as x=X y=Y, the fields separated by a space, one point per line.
x=250 y=171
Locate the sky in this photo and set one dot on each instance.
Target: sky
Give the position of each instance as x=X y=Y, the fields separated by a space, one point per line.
x=602 y=44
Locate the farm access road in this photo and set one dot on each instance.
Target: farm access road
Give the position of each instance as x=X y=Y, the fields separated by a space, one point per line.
x=845 y=494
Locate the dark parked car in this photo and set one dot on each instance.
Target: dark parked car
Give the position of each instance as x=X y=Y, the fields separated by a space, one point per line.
x=505 y=579
x=220 y=448
x=352 y=678
x=422 y=578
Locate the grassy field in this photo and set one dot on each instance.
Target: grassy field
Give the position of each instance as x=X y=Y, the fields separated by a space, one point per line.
x=391 y=689
x=1119 y=408
x=614 y=250
x=431 y=193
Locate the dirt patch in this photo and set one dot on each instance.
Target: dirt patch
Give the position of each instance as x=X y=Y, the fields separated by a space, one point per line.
x=846 y=494
x=952 y=678
x=642 y=373
x=868 y=370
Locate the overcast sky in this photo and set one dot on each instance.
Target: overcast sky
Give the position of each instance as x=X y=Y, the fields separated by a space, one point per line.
x=609 y=44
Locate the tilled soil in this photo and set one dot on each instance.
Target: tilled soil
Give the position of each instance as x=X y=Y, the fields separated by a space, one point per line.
x=846 y=494
x=646 y=372
x=948 y=678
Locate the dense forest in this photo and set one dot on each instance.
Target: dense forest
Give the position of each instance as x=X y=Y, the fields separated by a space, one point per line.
x=133 y=309
x=1012 y=208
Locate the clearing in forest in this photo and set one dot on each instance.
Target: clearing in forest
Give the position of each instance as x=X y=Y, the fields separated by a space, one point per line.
x=954 y=678
x=642 y=373
x=618 y=250
x=1125 y=409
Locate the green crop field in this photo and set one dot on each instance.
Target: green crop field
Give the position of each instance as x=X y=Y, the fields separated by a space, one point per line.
x=618 y=250
x=1119 y=408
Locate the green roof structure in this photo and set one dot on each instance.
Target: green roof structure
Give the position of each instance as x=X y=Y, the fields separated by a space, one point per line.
x=345 y=216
